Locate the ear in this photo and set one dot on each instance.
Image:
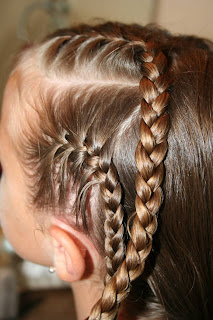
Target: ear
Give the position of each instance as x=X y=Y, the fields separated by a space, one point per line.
x=74 y=254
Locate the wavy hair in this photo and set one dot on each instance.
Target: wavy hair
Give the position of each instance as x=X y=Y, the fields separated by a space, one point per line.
x=117 y=105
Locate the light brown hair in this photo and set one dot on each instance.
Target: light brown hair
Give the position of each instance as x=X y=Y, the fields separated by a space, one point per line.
x=110 y=96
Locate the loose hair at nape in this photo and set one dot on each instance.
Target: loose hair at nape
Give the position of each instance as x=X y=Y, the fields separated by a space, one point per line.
x=112 y=98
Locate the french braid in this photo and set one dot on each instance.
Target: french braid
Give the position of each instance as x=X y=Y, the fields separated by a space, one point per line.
x=123 y=263
x=149 y=156
x=106 y=174
x=103 y=136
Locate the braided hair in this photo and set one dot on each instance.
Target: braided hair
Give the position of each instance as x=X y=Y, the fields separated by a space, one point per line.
x=106 y=112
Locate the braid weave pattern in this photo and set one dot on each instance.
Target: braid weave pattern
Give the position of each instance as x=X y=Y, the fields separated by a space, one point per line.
x=149 y=156
x=80 y=157
x=114 y=229
x=94 y=154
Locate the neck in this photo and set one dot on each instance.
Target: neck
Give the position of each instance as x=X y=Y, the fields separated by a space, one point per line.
x=85 y=296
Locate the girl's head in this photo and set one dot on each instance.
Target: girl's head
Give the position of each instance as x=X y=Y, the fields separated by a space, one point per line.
x=103 y=130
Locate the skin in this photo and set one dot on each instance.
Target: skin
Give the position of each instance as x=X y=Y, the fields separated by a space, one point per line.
x=57 y=243
x=19 y=226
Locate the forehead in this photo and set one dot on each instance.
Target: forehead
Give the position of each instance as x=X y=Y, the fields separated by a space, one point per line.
x=9 y=105
x=16 y=110
x=7 y=126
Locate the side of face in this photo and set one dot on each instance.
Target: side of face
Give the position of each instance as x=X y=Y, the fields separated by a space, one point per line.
x=55 y=242
x=20 y=226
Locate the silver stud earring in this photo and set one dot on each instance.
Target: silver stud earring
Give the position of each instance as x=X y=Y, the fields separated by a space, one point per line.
x=52 y=269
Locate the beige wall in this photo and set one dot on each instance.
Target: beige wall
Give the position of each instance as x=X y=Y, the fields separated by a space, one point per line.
x=186 y=16
x=180 y=16
x=129 y=11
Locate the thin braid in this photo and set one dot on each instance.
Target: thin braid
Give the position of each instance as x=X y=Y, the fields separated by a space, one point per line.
x=106 y=173
x=149 y=156
x=114 y=228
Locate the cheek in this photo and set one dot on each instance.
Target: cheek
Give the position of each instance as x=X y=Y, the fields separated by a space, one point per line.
x=21 y=230
x=11 y=218
x=4 y=209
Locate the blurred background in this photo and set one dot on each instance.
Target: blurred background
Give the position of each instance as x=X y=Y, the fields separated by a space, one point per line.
x=28 y=291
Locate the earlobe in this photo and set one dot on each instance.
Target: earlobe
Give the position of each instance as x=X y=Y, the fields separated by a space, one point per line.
x=69 y=255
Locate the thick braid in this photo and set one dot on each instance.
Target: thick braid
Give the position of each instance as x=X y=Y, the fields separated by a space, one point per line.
x=149 y=156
